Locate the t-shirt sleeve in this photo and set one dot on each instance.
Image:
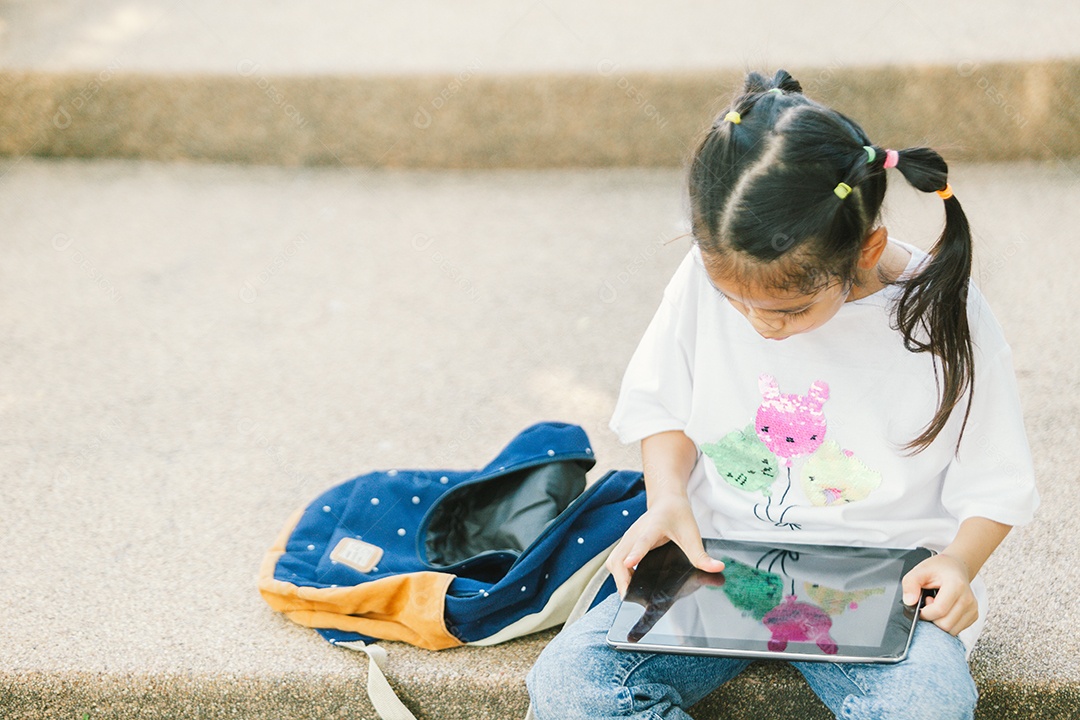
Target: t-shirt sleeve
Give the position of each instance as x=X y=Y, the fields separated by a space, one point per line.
x=656 y=391
x=993 y=475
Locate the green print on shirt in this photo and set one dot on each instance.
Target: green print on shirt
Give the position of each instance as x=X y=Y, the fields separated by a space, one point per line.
x=743 y=460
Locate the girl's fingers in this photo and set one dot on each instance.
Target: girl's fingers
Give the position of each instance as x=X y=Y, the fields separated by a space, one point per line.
x=622 y=559
x=644 y=543
x=707 y=562
x=962 y=614
x=620 y=573
x=618 y=569
x=944 y=602
x=913 y=584
x=932 y=610
x=652 y=530
x=694 y=548
x=622 y=579
x=951 y=610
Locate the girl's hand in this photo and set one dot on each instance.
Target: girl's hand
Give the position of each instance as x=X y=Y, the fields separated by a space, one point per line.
x=954 y=607
x=669 y=518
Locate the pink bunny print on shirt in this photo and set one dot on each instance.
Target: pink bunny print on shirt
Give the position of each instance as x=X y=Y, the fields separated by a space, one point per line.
x=791 y=426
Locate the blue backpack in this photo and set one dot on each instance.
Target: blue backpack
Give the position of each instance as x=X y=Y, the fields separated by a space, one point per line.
x=442 y=558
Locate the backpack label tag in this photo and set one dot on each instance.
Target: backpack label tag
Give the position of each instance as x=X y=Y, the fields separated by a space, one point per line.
x=357 y=554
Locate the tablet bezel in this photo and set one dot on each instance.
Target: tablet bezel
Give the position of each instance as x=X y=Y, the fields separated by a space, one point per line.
x=900 y=626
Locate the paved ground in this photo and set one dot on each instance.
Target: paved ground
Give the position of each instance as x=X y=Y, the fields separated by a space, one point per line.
x=345 y=36
x=192 y=351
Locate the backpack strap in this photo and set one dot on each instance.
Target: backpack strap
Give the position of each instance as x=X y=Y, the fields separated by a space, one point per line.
x=386 y=702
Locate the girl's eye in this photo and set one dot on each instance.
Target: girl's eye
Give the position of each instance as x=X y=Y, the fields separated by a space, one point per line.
x=797 y=314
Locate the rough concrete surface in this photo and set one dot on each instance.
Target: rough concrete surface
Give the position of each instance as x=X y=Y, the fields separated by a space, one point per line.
x=190 y=352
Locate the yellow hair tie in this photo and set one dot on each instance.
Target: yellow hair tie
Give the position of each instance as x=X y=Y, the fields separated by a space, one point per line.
x=842 y=190
x=733 y=117
x=945 y=193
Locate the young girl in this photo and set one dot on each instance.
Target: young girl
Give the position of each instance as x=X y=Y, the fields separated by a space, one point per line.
x=809 y=379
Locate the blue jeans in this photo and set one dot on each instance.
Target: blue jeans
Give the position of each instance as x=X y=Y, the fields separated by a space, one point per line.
x=578 y=675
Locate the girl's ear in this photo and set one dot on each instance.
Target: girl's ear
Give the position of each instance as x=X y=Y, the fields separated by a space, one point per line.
x=872 y=248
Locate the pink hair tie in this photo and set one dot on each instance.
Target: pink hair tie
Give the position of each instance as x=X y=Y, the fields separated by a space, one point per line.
x=891 y=159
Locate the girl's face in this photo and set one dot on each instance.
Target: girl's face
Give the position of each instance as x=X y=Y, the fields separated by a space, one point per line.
x=776 y=315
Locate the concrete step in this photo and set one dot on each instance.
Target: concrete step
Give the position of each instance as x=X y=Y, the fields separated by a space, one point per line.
x=193 y=351
x=531 y=84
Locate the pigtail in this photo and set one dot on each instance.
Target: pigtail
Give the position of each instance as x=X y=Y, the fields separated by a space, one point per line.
x=782 y=80
x=717 y=162
x=756 y=83
x=731 y=144
x=932 y=309
x=865 y=174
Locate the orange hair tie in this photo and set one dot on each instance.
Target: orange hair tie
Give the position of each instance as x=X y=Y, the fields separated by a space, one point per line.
x=945 y=193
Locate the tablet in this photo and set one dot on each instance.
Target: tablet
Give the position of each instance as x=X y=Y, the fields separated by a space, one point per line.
x=783 y=601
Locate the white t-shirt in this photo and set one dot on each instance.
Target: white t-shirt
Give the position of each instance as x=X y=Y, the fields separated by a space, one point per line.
x=801 y=440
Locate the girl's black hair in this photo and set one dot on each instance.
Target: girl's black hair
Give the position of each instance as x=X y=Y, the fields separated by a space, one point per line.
x=762 y=189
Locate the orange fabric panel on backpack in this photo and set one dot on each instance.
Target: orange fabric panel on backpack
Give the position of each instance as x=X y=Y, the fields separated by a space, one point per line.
x=408 y=607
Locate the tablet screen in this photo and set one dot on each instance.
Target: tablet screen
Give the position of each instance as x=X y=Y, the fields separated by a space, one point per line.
x=805 y=602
